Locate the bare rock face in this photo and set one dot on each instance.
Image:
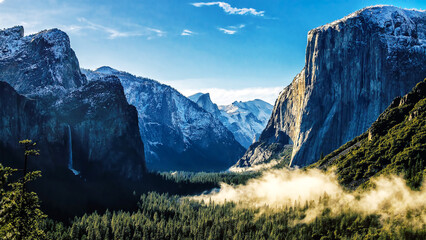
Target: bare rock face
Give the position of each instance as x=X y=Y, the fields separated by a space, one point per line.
x=104 y=129
x=354 y=67
x=21 y=118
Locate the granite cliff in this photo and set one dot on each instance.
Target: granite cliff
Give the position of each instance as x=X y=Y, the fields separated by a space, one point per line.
x=354 y=67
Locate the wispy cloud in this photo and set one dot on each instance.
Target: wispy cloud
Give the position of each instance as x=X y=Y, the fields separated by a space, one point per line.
x=231 y=30
x=114 y=33
x=1 y=1
x=238 y=26
x=231 y=10
x=157 y=32
x=227 y=96
x=227 y=31
x=187 y=32
x=34 y=19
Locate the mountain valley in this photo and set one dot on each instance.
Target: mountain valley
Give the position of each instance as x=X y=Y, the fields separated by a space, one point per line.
x=106 y=154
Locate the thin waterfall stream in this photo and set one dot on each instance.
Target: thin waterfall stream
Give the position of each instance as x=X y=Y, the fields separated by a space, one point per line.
x=70 y=164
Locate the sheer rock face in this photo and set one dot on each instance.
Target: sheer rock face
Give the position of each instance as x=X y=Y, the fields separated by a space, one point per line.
x=204 y=101
x=354 y=67
x=51 y=95
x=20 y=119
x=104 y=129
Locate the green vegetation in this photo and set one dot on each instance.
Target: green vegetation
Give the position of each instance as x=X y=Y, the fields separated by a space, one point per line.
x=213 y=179
x=171 y=217
x=280 y=153
x=395 y=144
x=20 y=213
x=284 y=157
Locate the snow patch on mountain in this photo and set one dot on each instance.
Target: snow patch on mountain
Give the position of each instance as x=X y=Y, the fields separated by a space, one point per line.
x=246 y=120
x=48 y=65
x=398 y=26
x=171 y=123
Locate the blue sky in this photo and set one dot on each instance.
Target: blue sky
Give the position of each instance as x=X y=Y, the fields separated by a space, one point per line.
x=235 y=49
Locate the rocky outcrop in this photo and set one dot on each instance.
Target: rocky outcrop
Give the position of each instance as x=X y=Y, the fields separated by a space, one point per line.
x=354 y=67
x=178 y=134
x=41 y=65
x=91 y=153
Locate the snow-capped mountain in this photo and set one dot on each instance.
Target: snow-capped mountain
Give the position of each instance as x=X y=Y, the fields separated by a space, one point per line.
x=177 y=133
x=43 y=67
x=204 y=101
x=87 y=133
x=246 y=120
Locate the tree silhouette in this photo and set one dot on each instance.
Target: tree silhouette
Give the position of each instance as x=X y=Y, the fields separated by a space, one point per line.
x=20 y=214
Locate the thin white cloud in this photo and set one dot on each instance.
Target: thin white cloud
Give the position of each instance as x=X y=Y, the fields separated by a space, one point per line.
x=157 y=32
x=231 y=10
x=114 y=33
x=227 y=31
x=187 y=32
x=1 y=1
x=222 y=96
x=238 y=26
x=34 y=19
x=231 y=30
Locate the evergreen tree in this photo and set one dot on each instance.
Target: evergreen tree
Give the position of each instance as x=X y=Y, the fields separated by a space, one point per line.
x=20 y=214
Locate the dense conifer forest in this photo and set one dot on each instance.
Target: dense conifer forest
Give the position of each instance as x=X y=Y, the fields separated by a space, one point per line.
x=161 y=216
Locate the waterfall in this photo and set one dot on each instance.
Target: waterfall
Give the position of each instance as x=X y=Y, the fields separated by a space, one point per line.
x=70 y=152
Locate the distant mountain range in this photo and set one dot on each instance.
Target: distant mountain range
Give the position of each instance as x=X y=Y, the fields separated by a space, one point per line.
x=85 y=119
x=178 y=134
x=95 y=129
x=246 y=120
